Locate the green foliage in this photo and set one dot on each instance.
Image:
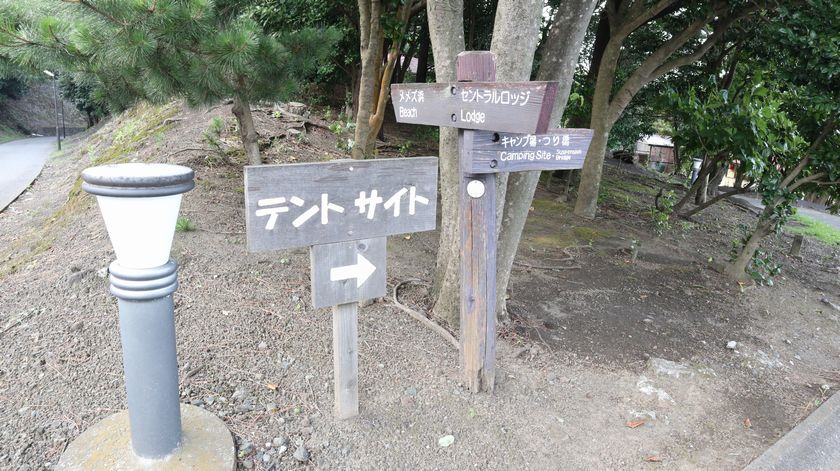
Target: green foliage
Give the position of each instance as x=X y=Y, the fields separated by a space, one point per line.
x=752 y=128
x=405 y=147
x=212 y=137
x=202 y=51
x=7 y=134
x=427 y=134
x=83 y=95
x=661 y=216
x=184 y=225
x=763 y=269
x=295 y=15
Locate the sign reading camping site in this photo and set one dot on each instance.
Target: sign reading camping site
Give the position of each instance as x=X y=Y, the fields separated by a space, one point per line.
x=493 y=152
x=298 y=205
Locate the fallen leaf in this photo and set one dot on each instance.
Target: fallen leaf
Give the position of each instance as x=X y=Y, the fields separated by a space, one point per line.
x=635 y=423
x=747 y=423
x=271 y=386
x=653 y=459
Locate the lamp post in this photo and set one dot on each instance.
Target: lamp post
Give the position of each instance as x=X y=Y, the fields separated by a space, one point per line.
x=55 y=96
x=140 y=203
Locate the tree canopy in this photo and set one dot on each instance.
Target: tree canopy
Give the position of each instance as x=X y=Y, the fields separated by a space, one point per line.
x=200 y=50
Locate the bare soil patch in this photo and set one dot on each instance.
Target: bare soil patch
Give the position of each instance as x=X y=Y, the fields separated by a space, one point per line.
x=619 y=364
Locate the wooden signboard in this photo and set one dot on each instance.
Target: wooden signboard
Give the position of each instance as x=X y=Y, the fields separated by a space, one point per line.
x=347 y=272
x=343 y=209
x=517 y=116
x=494 y=152
x=521 y=107
x=321 y=203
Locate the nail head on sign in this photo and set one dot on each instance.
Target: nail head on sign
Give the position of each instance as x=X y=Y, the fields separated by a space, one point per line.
x=475 y=188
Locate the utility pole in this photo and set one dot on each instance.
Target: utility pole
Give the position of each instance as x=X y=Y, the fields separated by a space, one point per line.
x=55 y=96
x=63 y=123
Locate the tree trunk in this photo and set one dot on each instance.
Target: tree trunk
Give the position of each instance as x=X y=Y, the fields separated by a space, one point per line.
x=406 y=61
x=737 y=269
x=590 y=176
x=704 y=172
x=700 y=194
x=247 y=131
x=370 y=47
x=378 y=115
x=714 y=182
x=586 y=203
x=558 y=63
x=446 y=33
x=423 y=54
x=355 y=82
x=516 y=30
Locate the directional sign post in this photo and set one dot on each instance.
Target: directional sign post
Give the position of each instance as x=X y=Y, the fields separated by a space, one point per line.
x=344 y=210
x=503 y=127
x=346 y=272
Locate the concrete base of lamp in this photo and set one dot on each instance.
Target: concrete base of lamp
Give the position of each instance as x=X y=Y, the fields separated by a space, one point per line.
x=206 y=445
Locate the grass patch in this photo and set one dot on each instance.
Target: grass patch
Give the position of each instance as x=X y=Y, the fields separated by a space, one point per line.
x=131 y=130
x=589 y=234
x=549 y=206
x=8 y=134
x=813 y=228
x=184 y=225
x=581 y=235
x=627 y=185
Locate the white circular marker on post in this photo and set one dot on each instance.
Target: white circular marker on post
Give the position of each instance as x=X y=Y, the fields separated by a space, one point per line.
x=475 y=188
x=140 y=203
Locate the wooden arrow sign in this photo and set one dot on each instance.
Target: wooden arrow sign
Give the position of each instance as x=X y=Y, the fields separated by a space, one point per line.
x=520 y=107
x=494 y=152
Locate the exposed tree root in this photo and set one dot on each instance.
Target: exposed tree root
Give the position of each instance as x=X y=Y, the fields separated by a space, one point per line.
x=440 y=330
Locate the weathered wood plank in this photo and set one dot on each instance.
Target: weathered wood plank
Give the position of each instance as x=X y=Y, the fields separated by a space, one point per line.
x=346 y=360
x=559 y=149
x=300 y=205
x=521 y=107
x=478 y=254
x=475 y=66
x=478 y=277
x=346 y=272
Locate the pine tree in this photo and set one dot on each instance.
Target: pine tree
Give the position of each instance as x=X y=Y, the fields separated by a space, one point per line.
x=201 y=50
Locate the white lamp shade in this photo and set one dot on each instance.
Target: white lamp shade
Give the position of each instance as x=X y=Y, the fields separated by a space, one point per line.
x=141 y=229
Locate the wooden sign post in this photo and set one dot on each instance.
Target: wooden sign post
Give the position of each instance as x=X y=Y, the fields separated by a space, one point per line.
x=503 y=127
x=343 y=210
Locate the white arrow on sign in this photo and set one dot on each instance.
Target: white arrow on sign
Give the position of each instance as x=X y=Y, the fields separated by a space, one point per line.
x=361 y=271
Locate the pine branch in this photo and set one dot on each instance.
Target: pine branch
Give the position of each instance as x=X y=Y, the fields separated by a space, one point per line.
x=91 y=7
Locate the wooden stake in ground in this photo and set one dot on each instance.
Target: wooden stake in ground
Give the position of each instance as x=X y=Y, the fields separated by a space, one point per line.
x=478 y=246
x=346 y=359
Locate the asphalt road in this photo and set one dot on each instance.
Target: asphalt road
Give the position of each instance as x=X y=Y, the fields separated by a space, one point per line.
x=829 y=219
x=20 y=162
